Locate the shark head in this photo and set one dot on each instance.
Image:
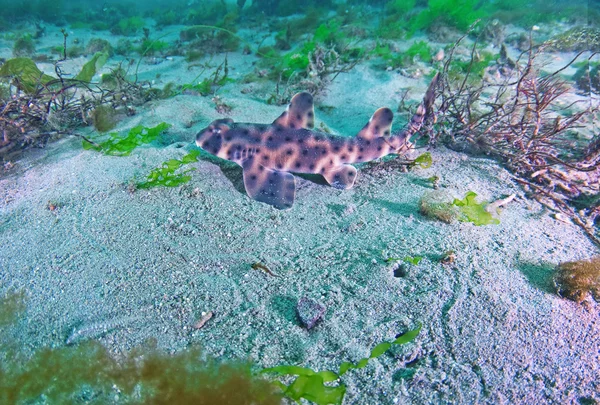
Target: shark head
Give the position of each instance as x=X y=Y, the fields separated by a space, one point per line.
x=211 y=138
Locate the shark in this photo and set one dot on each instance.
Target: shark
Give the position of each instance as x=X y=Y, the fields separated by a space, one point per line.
x=270 y=154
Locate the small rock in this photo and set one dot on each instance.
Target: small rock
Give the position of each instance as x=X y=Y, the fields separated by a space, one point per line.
x=309 y=311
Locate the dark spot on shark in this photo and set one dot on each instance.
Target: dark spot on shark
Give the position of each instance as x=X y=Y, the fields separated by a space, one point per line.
x=310 y=114
x=386 y=132
x=288 y=138
x=298 y=165
x=344 y=157
x=289 y=152
x=305 y=152
x=299 y=117
x=292 y=125
x=311 y=166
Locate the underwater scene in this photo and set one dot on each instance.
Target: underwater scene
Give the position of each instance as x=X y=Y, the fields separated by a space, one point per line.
x=312 y=202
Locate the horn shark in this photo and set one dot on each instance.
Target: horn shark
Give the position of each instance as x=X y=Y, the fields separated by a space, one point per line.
x=269 y=154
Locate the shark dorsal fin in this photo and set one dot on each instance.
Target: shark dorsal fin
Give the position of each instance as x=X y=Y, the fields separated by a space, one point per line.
x=379 y=125
x=299 y=114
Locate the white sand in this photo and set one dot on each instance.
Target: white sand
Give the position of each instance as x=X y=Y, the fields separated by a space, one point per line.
x=124 y=267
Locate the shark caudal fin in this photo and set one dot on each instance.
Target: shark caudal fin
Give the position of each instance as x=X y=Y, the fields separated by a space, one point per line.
x=300 y=113
x=401 y=141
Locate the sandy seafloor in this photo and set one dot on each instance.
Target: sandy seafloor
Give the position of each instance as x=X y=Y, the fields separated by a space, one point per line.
x=125 y=266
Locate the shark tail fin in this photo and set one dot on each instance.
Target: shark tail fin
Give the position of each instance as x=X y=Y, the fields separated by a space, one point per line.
x=401 y=140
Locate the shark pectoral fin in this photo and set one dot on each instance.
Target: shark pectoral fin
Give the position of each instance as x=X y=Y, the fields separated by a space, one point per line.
x=341 y=177
x=269 y=186
x=300 y=113
x=379 y=125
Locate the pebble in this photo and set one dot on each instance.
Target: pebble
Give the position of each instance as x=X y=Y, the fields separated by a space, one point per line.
x=309 y=311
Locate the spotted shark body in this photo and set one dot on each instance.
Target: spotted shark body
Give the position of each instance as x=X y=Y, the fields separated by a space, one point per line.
x=269 y=154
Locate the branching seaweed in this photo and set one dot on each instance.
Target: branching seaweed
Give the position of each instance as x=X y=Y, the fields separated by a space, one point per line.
x=39 y=107
x=521 y=120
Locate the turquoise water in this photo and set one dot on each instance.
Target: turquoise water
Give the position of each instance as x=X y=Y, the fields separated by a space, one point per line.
x=141 y=264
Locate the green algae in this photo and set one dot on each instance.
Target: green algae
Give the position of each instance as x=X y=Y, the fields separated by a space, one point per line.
x=472 y=211
x=91 y=67
x=310 y=384
x=24 y=73
x=89 y=373
x=123 y=146
x=166 y=175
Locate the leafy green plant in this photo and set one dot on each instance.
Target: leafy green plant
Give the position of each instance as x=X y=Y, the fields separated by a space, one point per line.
x=420 y=49
x=211 y=84
x=434 y=204
x=150 y=47
x=414 y=260
x=472 y=211
x=129 y=26
x=310 y=384
x=166 y=176
x=119 y=146
x=24 y=73
x=406 y=58
x=104 y=118
x=475 y=66
x=455 y=13
x=91 y=67
x=24 y=46
x=424 y=161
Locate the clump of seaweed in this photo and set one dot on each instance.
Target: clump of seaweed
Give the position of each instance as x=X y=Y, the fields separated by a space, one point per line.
x=104 y=118
x=578 y=280
x=472 y=211
x=24 y=46
x=36 y=107
x=88 y=373
x=310 y=384
x=166 y=174
x=123 y=146
x=521 y=120
x=434 y=204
